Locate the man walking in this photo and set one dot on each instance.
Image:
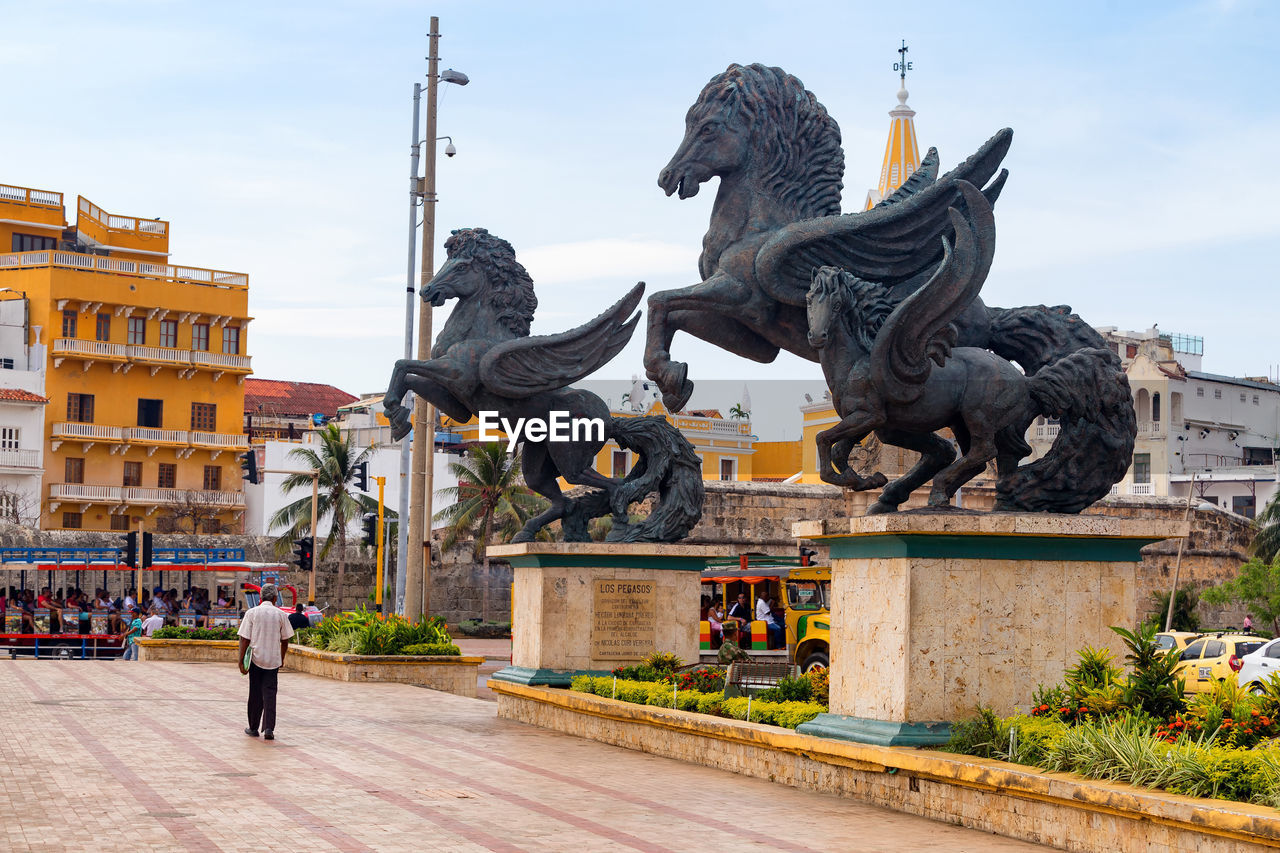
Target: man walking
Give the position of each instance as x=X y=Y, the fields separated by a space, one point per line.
x=266 y=630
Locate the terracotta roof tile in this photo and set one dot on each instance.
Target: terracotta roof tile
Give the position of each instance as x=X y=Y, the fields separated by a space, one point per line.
x=278 y=397
x=19 y=396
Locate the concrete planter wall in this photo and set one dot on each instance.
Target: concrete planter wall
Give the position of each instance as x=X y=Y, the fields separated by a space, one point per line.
x=1058 y=809
x=449 y=673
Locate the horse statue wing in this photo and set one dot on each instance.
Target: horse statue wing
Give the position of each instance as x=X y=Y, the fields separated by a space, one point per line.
x=534 y=365
x=892 y=242
x=920 y=330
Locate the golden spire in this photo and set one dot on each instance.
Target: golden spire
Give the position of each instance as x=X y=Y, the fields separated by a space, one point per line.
x=902 y=152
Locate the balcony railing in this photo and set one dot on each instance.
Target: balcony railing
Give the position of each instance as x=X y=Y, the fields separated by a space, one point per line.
x=220 y=360
x=82 y=492
x=88 y=432
x=122 y=223
x=43 y=198
x=119 y=266
x=1048 y=430
x=1151 y=429
x=221 y=440
x=166 y=356
x=139 y=495
x=150 y=435
x=208 y=497
x=1141 y=489
x=91 y=349
x=158 y=355
x=19 y=458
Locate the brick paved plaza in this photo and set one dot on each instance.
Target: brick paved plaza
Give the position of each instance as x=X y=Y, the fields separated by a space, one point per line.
x=151 y=756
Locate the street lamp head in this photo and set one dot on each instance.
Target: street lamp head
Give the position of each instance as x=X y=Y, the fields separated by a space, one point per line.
x=451 y=76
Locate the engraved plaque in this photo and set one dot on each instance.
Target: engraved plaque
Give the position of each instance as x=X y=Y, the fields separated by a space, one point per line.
x=624 y=618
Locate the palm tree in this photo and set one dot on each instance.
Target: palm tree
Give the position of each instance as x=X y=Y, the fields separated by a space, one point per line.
x=738 y=413
x=490 y=496
x=336 y=460
x=1266 y=544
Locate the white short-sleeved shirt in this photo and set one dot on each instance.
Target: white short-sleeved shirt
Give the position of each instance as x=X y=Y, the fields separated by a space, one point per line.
x=264 y=627
x=762 y=610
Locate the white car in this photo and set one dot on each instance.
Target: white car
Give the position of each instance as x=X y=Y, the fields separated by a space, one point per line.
x=1257 y=666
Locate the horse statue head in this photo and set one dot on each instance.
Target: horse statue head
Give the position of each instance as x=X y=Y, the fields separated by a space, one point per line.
x=757 y=119
x=483 y=266
x=840 y=297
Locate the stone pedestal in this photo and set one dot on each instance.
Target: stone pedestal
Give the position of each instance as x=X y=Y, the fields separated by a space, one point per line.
x=935 y=614
x=582 y=607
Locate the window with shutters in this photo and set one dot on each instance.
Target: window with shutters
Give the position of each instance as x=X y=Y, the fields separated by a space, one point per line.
x=204 y=417
x=80 y=408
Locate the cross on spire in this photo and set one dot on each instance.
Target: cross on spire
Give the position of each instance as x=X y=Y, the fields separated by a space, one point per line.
x=902 y=66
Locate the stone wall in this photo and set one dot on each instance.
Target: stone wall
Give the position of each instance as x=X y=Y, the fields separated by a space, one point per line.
x=737 y=516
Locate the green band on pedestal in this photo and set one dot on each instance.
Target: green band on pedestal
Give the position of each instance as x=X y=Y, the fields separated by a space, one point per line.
x=878 y=732
x=542 y=677
x=987 y=546
x=609 y=561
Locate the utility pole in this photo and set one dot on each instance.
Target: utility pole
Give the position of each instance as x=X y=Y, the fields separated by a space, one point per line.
x=418 y=566
x=382 y=486
x=402 y=531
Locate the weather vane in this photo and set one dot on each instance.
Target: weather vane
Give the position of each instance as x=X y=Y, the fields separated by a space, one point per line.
x=902 y=66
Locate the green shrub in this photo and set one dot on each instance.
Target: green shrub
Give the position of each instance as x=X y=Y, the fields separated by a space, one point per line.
x=484 y=630
x=788 y=690
x=663 y=662
x=979 y=735
x=365 y=632
x=1153 y=685
x=172 y=633
x=431 y=649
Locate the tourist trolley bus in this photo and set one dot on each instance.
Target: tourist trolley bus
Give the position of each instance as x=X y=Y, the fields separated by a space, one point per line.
x=214 y=569
x=803 y=594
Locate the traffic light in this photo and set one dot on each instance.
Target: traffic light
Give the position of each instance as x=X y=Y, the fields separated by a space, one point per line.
x=146 y=550
x=249 y=463
x=370 y=524
x=362 y=476
x=302 y=553
x=131 y=549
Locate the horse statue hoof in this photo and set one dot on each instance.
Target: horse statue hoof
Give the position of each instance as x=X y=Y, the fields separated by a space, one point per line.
x=877 y=480
x=881 y=508
x=522 y=536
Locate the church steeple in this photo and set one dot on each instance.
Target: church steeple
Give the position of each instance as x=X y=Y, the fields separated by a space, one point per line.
x=902 y=152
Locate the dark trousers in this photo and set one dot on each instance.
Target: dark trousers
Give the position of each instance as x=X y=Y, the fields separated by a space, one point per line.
x=262 y=697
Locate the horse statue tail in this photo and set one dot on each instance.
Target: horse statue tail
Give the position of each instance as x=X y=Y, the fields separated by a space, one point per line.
x=1077 y=379
x=668 y=465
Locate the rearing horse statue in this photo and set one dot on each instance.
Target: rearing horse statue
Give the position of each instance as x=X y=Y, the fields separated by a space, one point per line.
x=484 y=359
x=776 y=219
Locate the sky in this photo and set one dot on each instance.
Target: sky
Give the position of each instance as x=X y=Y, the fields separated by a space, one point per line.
x=275 y=137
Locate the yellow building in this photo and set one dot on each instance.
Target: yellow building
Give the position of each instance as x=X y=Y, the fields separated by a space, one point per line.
x=725 y=445
x=146 y=364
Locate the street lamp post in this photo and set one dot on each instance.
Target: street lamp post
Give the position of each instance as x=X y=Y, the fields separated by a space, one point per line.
x=417 y=598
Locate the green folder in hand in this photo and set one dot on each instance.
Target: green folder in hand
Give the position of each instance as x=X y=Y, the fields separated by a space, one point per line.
x=248 y=657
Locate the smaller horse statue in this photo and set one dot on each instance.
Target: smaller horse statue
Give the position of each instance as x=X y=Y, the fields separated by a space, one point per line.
x=895 y=370
x=484 y=360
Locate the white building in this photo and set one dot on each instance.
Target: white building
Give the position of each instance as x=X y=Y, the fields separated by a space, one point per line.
x=1221 y=431
x=22 y=405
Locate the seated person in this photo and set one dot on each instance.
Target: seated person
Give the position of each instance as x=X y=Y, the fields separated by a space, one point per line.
x=715 y=618
x=776 y=625
x=740 y=611
x=729 y=650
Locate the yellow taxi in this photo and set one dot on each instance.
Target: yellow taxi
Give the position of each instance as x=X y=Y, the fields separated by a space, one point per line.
x=1214 y=658
x=1167 y=641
